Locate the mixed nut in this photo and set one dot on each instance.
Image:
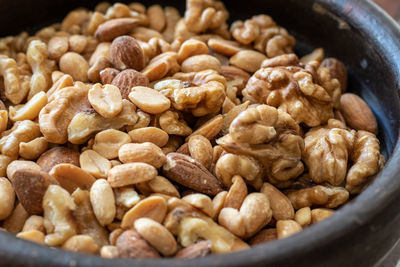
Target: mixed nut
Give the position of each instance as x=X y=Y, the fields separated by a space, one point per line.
x=133 y=132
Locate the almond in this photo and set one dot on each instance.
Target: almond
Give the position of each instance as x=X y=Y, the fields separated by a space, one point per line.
x=126 y=53
x=199 y=249
x=30 y=186
x=357 y=113
x=127 y=79
x=108 y=74
x=190 y=173
x=337 y=70
x=114 y=28
x=131 y=245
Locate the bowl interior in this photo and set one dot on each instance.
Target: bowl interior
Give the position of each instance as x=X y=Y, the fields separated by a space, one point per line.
x=314 y=24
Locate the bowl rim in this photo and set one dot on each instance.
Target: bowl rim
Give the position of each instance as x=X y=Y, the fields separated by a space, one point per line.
x=345 y=220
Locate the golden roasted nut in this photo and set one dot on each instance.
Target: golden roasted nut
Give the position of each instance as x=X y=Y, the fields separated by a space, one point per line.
x=95 y=164
x=172 y=124
x=281 y=206
x=191 y=48
x=108 y=142
x=149 y=134
x=198 y=63
x=145 y=152
x=7 y=198
x=161 y=66
x=247 y=60
x=81 y=243
x=75 y=65
x=71 y=177
x=103 y=201
x=285 y=228
x=149 y=100
x=33 y=149
x=131 y=173
x=106 y=100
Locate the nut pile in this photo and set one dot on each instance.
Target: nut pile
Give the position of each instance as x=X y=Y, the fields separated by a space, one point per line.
x=133 y=132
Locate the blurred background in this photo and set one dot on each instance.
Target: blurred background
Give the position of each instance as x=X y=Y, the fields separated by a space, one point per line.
x=391 y=6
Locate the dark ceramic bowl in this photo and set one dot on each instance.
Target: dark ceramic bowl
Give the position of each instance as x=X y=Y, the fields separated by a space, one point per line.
x=368 y=42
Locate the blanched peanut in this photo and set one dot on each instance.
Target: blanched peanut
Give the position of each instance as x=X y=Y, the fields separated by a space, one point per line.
x=156 y=17
x=77 y=43
x=281 y=206
x=201 y=202
x=157 y=235
x=303 y=216
x=318 y=215
x=108 y=142
x=237 y=193
x=71 y=177
x=154 y=207
x=149 y=100
x=34 y=222
x=33 y=236
x=145 y=152
x=3 y=120
x=30 y=110
x=7 y=198
x=149 y=134
x=33 y=149
x=21 y=164
x=81 y=243
x=201 y=62
x=285 y=228
x=162 y=185
x=131 y=173
x=95 y=164
x=109 y=252
x=57 y=46
x=126 y=196
x=58 y=206
x=106 y=100
x=201 y=150
x=103 y=201
x=248 y=60
x=191 y=48
x=218 y=203
x=75 y=65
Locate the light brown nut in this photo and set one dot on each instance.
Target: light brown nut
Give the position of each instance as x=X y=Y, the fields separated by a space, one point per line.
x=156 y=17
x=126 y=196
x=111 y=29
x=337 y=70
x=281 y=206
x=191 y=48
x=103 y=201
x=149 y=100
x=357 y=113
x=170 y=123
x=84 y=124
x=64 y=81
x=201 y=62
x=114 y=235
x=58 y=206
x=248 y=60
x=162 y=185
x=96 y=19
x=110 y=252
x=55 y=117
x=71 y=177
x=57 y=46
x=77 y=43
x=33 y=149
x=190 y=173
x=229 y=165
x=201 y=150
x=102 y=50
x=237 y=193
x=224 y=47
x=131 y=245
x=81 y=243
x=15 y=222
x=75 y=65
x=85 y=218
x=106 y=100
x=196 y=250
x=157 y=235
x=4 y=161
x=34 y=222
x=3 y=120
x=144 y=34
x=318 y=215
x=33 y=236
x=145 y=152
x=127 y=79
x=161 y=66
x=30 y=186
x=57 y=155
x=264 y=236
x=7 y=198
x=95 y=164
x=22 y=131
x=149 y=134
x=126 y=53
x=94 y=71
x=209 y=129
x=154 y=207
x=172 y=17
x=21 y=164
x=131 y=173
x=231 y=115
x=201 y=202
x=218 y=204
x=108 y=142
x=286 y=228
x=315 y=55
x=303 y=216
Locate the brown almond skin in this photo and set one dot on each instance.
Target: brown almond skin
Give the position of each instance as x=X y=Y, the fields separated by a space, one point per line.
x=30 y=185
x=114 y=28
x=131 y=245
x=57 y=155
x=192 y=174
x=108 y=74
x=199 y=249
x=357 y=113
x=337 y=70
x=126 y=53
x=127 y=79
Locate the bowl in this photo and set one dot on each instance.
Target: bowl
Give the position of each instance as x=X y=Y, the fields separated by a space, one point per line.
x=367 y=40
